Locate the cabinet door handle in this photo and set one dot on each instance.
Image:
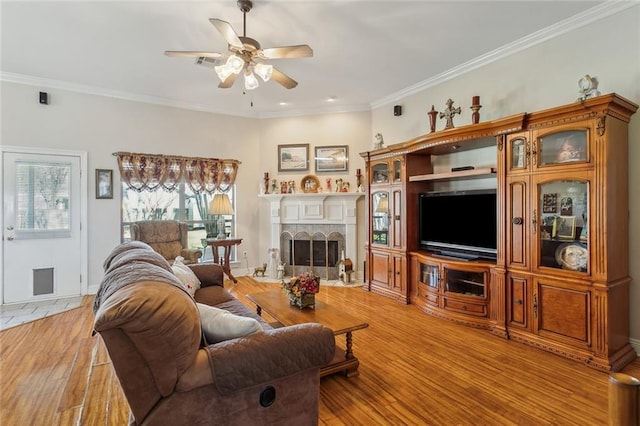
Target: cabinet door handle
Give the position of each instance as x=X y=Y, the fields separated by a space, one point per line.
x=535 y=304
x=517 y=301
x=516 y=221
x=527 y=153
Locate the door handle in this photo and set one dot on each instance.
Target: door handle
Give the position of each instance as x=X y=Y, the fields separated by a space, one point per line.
x=10 y=228
x=10 y=238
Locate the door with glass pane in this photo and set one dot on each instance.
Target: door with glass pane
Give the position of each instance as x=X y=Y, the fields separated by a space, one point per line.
x=42 y=256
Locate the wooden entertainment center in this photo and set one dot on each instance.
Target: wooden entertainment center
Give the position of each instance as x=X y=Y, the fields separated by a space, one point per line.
x=559 y=278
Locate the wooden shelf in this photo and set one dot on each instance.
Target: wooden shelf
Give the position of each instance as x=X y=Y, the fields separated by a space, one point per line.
x=482 y=172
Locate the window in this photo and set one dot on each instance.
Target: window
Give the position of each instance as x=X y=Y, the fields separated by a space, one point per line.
x=181 y=204
x=171 y=187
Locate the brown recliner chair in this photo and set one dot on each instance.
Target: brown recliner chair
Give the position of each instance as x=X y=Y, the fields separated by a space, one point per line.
x=167 y=237
x=151 y=328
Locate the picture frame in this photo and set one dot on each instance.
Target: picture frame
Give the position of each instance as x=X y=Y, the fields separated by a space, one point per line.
x=293 y=158
x=564 y=227
x=104 y=184
x=332 y=158
x=550 y=203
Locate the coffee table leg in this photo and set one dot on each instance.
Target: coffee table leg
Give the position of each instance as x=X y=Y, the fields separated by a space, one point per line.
x=348 y=353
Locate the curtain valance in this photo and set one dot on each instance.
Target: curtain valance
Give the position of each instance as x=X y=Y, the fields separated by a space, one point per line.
x=149 y=172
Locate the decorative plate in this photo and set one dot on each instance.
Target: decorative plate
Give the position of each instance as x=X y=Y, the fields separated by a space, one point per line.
x=309 y=184
x=572 y=256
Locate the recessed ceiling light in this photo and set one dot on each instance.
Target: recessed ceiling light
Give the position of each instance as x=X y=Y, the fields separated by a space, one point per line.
x=283 y=103
x=332 y=98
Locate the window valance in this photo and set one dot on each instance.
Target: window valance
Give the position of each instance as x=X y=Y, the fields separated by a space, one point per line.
x=149 y=172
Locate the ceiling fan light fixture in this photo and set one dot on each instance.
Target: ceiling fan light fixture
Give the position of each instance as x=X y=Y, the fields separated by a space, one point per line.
x=223 y=71
x=235 y=63
x=264 y=71
x=250 y=80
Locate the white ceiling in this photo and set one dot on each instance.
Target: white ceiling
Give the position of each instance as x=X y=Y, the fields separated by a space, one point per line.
x=366 y=53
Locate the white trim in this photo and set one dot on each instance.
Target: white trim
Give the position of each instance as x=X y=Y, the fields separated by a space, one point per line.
x=84 y=269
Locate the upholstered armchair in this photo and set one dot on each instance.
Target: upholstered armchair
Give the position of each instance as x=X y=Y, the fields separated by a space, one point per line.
x=167 y=237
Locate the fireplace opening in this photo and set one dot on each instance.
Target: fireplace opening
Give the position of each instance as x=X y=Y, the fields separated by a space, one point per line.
x=324 y=253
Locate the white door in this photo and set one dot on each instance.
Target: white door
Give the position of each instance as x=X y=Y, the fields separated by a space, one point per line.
x=41 y=253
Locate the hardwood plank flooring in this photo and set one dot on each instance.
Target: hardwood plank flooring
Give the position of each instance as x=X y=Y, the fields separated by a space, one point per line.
x=414 y=370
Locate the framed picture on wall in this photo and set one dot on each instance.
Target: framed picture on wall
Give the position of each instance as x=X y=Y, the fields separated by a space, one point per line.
x=332 y=158
x=104 y=184
x=293 y=158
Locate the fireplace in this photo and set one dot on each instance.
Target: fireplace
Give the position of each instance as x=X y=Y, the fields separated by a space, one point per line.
x=311 y=231
x=315 y=249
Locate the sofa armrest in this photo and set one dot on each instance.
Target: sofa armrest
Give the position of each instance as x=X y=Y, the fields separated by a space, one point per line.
x=263 y=357
x=208 y=273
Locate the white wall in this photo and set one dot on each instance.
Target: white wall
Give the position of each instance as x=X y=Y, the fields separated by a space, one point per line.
x=543 y=77
x=101 y=126
x=352 y=129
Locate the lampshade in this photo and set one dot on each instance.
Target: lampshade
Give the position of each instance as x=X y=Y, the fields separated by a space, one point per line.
x=220 y=205
x=250 y=80
x=264 y=71
x=383 y=205
x=233 y=66
x=223 y=71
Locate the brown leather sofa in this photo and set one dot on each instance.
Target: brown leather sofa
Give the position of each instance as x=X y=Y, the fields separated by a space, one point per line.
x=151 y=328
x=170 y=238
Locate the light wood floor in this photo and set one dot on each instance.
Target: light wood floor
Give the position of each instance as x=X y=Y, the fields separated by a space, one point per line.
x=415 y=370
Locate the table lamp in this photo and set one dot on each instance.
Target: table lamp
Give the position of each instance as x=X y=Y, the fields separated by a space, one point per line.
x=220 y=205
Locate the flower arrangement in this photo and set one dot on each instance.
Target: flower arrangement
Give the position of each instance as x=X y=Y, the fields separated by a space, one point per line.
x=302 y=289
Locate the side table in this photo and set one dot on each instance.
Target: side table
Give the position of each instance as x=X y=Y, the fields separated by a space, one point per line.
x=226 y=245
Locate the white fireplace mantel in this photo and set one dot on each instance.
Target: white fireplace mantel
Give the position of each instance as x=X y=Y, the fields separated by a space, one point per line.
x=325 y=208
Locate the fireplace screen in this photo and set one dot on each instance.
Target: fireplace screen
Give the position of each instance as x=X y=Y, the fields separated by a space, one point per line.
x=324 y=253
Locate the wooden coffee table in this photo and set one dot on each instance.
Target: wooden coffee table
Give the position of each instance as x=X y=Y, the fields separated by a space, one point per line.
x=276 y=304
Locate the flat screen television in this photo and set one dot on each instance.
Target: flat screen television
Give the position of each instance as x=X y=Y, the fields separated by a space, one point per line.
x=459 y=224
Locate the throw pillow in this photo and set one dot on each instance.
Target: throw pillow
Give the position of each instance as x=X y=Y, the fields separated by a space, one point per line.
x=219 y=325
x=186 y=276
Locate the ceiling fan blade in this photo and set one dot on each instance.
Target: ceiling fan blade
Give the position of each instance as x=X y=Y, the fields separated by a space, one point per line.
x=192 y=54
x=297 y=51
x=283 y=79
x=228 y=82
x=227 y=31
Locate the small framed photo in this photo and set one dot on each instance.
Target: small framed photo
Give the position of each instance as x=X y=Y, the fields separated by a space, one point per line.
x=332 y=158
x=564 y=227
x=104 y=184
x=293 y=158
x=549 y=203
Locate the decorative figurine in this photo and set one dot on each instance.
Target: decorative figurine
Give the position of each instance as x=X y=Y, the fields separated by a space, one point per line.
x=448 y=114
x=432 y=119
x=266 y=182
x=339 y=183
x=274 y=186
x=475 y=107
x=328 y=184
x=588 y=88
x=358 y=178
x=379 y=141
x=280 y=270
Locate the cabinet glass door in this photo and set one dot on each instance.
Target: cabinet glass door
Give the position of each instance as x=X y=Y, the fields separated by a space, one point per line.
x=397 y=169
x=518 y=154
x=380 y=217
x=380 y=173
x=563 y=225
x=429 y=275
x=468 y=283
x=568 y=146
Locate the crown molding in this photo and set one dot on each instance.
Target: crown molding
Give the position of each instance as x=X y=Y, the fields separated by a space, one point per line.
x=587 y=17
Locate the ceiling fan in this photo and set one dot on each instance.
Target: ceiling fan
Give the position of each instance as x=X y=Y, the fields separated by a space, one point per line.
x=245 y=55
